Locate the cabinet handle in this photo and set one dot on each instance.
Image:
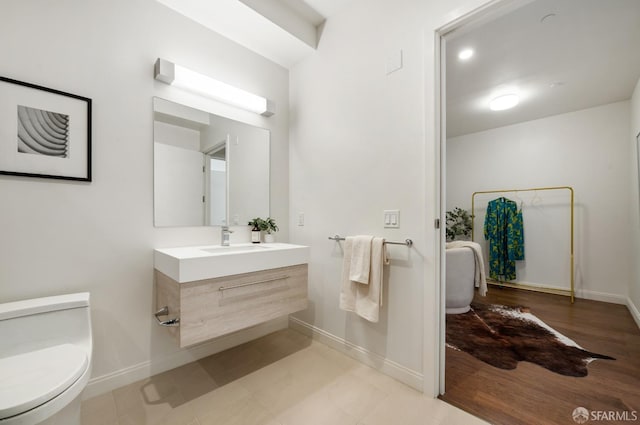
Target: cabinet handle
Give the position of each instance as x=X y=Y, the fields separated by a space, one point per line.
x=224 y=288
x=164 y=311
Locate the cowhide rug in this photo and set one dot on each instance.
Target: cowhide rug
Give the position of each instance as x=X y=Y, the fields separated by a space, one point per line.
x=502 y=336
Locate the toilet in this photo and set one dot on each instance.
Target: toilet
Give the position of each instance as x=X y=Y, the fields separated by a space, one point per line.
x=45 y=359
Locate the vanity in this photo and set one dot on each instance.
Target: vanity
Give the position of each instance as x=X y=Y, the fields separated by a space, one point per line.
x=209 y=291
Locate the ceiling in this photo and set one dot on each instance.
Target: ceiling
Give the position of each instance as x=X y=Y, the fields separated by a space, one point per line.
x=284 y=31
x=559 y=56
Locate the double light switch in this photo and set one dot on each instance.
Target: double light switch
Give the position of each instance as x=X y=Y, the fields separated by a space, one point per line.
x=392 y=218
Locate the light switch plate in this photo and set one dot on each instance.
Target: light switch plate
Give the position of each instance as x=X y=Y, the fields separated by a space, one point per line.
x=391 y=219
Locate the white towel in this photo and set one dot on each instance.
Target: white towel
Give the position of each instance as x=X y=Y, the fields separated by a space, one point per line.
x=480 y=277
x=360 y=259
x=364 y=299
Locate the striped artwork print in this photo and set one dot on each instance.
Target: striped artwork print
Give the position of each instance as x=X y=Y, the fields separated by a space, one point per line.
x=43 y=132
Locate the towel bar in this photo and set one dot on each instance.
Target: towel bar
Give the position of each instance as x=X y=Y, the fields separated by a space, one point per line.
x=407 y=242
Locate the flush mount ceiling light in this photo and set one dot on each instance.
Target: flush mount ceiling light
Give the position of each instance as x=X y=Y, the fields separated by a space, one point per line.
x=505 y=101
x=465 y=54
x=186 y=79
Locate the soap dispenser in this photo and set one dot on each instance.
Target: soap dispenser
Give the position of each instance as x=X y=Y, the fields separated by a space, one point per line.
x=255 y=233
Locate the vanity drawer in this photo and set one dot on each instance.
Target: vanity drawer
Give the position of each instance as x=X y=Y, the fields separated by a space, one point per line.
x=214 y=307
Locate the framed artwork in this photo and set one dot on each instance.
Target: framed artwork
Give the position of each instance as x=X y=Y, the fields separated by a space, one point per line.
x=44 y=132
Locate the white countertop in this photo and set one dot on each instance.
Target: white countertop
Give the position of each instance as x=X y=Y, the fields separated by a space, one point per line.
x=191 y=263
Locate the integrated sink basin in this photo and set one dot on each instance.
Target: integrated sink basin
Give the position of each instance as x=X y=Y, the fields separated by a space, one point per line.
x=188 y=264
x=235 y=248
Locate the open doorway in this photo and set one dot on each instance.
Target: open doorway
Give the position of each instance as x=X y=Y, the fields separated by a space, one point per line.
x=569 y=71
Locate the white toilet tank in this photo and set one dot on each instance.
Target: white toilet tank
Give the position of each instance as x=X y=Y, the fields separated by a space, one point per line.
x=45 y=359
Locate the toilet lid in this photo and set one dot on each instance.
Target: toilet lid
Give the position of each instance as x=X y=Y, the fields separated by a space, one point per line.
x=33 y=378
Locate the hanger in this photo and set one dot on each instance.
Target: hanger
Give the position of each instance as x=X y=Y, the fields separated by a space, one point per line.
x=519 y=199
x=536 y=199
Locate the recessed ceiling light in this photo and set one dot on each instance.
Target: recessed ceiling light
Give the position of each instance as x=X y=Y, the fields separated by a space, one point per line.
x=505 y=101
x=465 y=54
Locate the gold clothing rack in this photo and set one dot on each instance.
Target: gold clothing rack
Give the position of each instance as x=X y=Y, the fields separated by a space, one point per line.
x=532 y=288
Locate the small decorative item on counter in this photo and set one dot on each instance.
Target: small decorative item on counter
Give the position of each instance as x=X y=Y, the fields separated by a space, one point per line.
x=270 y=227
x=267 y=225
x=257 y=224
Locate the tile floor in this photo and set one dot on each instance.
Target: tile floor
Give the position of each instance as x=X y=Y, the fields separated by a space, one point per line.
x=284 y=378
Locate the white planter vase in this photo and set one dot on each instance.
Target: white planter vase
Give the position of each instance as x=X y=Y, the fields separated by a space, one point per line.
x=269 y=238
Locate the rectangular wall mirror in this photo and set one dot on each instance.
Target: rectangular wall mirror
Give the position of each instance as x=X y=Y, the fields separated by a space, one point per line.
x=208 y=170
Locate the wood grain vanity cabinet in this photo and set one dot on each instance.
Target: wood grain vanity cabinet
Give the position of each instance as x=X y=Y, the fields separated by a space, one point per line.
x=214 y=307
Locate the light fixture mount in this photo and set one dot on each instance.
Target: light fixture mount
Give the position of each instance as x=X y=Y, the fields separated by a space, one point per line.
x=186 y=79
x=164 y=71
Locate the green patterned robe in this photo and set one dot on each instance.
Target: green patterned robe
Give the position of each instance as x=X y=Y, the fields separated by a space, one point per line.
x=503 y=229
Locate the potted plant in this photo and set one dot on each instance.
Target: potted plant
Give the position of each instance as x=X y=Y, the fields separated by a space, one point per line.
x=458 y=224
x=269 y=227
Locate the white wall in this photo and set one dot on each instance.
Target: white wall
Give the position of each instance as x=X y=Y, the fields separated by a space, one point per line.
x=248 y=171
x=587 y=150
x=176 y=135
x=178 y=187
x=247 y=154
x=363 y=141
x=218 y=191
x=634 y=155
x=60 y=237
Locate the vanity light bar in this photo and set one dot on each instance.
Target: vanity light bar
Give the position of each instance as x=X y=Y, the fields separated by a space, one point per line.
x=186 y=79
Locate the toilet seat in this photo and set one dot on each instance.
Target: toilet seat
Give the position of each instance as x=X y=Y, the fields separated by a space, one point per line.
x=33 y=378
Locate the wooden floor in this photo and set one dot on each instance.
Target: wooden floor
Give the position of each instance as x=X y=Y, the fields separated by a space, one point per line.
x=531 y=394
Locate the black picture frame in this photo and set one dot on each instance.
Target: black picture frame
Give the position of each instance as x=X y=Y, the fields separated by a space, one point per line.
x=44 y=133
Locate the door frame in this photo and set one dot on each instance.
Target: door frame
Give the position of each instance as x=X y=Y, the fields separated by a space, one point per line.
x=486 y=11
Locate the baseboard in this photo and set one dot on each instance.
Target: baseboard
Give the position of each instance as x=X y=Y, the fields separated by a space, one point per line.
x=578 y=293
x=529 y=286
x=397 y=371
x=634 y=311
x=108 y=382
x=601 y=296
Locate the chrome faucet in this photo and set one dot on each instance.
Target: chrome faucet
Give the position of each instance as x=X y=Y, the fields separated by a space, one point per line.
x=224 y=235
